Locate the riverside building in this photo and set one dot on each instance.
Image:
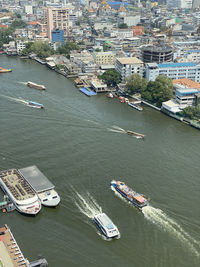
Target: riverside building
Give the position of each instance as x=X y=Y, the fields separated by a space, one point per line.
x=129 y=65
x=174 y=71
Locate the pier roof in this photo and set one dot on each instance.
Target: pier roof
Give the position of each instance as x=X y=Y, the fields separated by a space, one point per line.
x=36 y=179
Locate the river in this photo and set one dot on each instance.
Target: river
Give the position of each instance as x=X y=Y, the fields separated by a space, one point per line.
x=80 y=144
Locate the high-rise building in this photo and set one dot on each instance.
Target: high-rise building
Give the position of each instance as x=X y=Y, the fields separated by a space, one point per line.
x=195 y=3
x=56 y=18
x=179 y=3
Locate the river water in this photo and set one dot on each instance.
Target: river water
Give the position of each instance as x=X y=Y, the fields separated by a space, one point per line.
x=80 y=145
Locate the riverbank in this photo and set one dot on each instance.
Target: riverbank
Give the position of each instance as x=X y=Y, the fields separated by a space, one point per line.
x=84 y=82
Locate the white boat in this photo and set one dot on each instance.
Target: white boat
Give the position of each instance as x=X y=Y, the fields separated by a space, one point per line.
x=134 y=105
x=35 y=85
x=41 y=185
x=19 y=192
x=106 y=226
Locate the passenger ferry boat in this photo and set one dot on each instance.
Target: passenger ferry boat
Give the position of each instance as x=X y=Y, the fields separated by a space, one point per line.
x=106 y=226
x=135 y=198
x=35 y=104
x=41 y=185
x=19 y=192
x=2 y=70
x=35 y=85
x=135 y=134
x=135 y=105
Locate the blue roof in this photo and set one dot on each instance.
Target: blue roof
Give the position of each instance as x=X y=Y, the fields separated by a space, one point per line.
x=32 y=102
x=193 y=51
x=87 y=92
x=175 y=65
x=117 y=3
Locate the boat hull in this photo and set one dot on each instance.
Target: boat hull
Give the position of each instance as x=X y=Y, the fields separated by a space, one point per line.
x=36 y=86
x=103 y=231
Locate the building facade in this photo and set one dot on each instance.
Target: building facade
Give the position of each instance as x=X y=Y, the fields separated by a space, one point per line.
x=174 y=71
x=129 y=65
x=57 y=36
x=104 y=58
x=56 y=18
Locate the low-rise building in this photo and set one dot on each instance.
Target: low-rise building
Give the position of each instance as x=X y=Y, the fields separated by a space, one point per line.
x=174 y=71
x=104 y=58
x=127 y=66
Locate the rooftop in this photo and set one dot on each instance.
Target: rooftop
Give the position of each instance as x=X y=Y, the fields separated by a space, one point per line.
x=130 y=60
x=187 y=83
x=36 y=179
x=11 y=255
x=177 y=65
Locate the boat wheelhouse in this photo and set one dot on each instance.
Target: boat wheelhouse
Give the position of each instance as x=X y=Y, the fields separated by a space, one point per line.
x=19 y=192
x=136 y=199
x=106 y=226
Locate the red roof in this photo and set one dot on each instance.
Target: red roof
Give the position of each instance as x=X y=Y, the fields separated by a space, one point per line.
x=33 y=22
x=3 y=26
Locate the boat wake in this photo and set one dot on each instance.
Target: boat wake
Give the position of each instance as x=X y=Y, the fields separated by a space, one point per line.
x=25 y=83
x=159 y=218
x=116 y=129
x=87 y=205
x=18 y=100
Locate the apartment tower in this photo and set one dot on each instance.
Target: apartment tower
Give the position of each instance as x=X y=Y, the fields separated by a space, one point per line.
x=56 y=18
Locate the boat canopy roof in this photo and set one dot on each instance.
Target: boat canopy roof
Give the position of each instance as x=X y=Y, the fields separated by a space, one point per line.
x=35 y=103
x=36 y=179
x=140 y=198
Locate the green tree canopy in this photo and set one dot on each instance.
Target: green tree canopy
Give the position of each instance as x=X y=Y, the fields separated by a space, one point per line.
x=41 y=49
x=135 y=84
x=123 y=26
x=191 y=112
x=5 y=36
x=67 y=47
x=18 y=24
x=158 y=91
x=110 y=77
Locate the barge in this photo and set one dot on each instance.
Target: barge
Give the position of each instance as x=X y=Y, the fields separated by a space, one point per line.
x=37 y=86
x=41 y=185
x=129 y=194
x=19 y=192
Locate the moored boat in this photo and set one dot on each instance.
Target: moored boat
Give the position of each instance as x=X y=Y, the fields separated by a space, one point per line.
x=2 y=70
x=109 y=95
x=35 y=104
x=106 y=226
x=35 y=85
x=129 y=194
x=19 y=192
x=135 y=105
x=41 y=185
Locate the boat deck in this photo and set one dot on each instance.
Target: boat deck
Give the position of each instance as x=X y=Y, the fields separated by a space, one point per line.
x=37 y=180
x=16 y=184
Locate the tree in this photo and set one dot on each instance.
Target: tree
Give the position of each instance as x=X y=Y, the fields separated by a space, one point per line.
x=5 y=36
x=67 y=47
x=110 y=77
x=135 y=84
x=18 y=24
x=158 y=91
x=123 y=26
